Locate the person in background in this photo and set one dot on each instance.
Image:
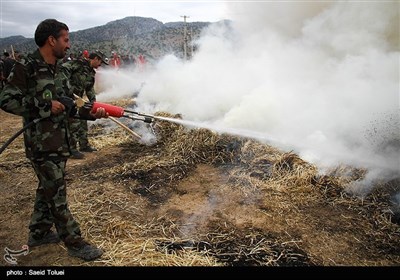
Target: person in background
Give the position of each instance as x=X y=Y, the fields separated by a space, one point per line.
x=32 y=92
x=2 y=79
x=8 y=64
x=85 y=54
x=78 y=78
x=115 y=60
x=141 y=62
x=17 y=55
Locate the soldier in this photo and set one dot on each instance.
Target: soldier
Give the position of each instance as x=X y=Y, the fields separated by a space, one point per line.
x=78 y=77
x=31 y=92
x=2 y=79
x=8 y=65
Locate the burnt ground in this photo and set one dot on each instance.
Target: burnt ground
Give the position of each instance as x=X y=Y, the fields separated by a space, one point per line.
x=145 y=207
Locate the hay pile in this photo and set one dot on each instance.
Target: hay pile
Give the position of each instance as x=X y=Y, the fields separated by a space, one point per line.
x=119 y=207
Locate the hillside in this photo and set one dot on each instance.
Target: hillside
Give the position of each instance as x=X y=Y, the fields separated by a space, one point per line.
x=130 y=35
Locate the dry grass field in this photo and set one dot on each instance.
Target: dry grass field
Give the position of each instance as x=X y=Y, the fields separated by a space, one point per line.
x=196 y=198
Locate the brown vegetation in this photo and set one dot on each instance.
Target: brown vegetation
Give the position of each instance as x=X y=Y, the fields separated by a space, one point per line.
x=196 y=198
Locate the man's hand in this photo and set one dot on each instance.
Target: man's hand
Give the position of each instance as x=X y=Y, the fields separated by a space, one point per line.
x=69 y=105
x=57 y=107
x=100 y=113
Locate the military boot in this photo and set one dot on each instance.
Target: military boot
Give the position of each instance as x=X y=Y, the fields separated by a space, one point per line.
x=87 y=149
x=84 y=250
x=75 y=154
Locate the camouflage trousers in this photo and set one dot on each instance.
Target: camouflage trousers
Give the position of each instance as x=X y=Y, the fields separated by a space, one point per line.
x=79 y=133
x=51 y=205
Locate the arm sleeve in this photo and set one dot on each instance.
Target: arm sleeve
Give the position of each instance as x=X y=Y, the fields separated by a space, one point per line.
x=15 y=97
x=62 y=80
x=91 y=94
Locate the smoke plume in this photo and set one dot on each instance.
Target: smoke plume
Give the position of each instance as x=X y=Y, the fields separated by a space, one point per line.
x=321 y=78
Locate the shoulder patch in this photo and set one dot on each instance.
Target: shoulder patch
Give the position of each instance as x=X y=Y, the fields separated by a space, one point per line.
x=47 y=95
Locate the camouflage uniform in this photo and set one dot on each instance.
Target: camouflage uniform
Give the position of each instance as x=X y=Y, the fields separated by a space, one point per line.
x=28 y=93
x=79 y=77
x=1 y=73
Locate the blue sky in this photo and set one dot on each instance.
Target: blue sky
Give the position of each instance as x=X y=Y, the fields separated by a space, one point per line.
x=22 y=17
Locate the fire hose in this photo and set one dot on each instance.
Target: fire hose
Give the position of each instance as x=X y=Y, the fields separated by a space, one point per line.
x=5 y=145
x=119 y=112
x=115 y=112
x=112 y=110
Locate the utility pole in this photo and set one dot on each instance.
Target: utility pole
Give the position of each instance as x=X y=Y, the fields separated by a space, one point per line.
x=191 y=41
x=185 y=39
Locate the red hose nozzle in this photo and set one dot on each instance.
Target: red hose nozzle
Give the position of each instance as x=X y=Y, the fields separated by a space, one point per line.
x=113 y=111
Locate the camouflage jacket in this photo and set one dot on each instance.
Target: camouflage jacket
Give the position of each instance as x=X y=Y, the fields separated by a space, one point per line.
x=78 y=77
x=31 y=87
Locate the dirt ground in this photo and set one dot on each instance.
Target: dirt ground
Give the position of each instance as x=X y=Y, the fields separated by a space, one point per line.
x=148 y=207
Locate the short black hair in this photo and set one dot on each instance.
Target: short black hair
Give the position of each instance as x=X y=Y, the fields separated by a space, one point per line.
x=94 y=55
x=48 y=27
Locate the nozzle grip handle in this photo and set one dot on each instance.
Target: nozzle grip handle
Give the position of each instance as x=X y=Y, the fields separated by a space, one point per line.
x=113 y=111
x=148 y=119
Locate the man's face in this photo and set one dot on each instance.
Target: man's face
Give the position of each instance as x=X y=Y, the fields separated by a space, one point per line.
x=61 y=45
x=96 y=62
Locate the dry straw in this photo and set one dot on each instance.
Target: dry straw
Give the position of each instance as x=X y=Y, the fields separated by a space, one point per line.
x=296 y=216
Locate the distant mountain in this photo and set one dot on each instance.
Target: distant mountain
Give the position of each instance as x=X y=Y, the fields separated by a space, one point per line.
x=122 y=28
x=19 y=43
x=127 y=36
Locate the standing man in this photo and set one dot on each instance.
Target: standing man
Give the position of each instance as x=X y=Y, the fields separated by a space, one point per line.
x=8 y=65
x=78 y=77
x=31 y=92
x=2 y=79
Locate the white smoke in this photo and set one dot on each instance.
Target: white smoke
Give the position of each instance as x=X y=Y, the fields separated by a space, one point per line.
x=323 y=77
